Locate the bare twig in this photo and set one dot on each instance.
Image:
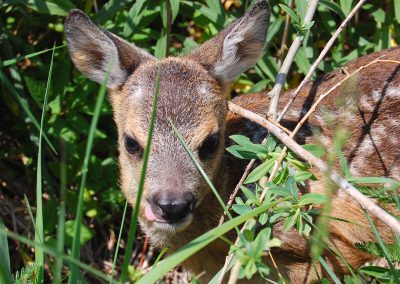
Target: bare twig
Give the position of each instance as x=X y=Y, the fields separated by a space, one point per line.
x=320 y=58
x=233 y=195
x=363 y=200
x=287 y=63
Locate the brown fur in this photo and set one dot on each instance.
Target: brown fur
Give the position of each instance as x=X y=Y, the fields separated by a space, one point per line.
x=383 y=159
x=192 y=94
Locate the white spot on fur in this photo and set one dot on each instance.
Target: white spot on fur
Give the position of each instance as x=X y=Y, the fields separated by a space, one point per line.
x=376 y=95
x=393 y=92
x=293 y=112
x=137 y=92
x=203 y=89
x=366 y=104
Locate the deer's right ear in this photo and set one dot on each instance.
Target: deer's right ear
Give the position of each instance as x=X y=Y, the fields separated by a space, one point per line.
x=95 y=51
x=238 y=47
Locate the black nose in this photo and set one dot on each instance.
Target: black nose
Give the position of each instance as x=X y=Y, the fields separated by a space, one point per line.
x=173 y=206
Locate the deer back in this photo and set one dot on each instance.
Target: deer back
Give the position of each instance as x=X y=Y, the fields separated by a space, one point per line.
x=367 y=106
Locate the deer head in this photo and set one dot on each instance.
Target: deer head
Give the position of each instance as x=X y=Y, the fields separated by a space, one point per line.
x=191 y=94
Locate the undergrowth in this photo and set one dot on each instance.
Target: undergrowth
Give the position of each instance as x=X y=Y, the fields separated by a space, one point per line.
x=71 y=150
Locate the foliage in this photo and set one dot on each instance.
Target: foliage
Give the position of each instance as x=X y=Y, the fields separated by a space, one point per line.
x=30 y=274
x=29 y=30
x=374 y=248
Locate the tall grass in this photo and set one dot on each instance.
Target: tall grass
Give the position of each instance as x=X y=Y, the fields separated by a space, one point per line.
x=206 y=16
x=134 y=219
x=39 y=236
x=76 y=245
x=5 y=269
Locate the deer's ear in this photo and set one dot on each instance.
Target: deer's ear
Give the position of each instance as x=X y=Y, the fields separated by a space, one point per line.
x=95 y=51
x=238 y=47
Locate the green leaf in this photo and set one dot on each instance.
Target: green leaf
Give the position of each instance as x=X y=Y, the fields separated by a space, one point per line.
x=291 y=220
x=200 y=242
x=161 y=47
x=397 y=10
x=85 y=233
x=242 y=153
x=36 y=89
x=376 y=271
x=312 y=198
x=246 y=143
x=333 y=7
x=302 y=176
x=291 y=13
x=24 y=105
x=241 y=208
x=317 y=150
x=45 y=7
x=291 y=187
x=174 y=9
x=301 y=6
x=260 y=171
x=133 y=18
x=346 y=6
x=302 y=61
x=250 y=195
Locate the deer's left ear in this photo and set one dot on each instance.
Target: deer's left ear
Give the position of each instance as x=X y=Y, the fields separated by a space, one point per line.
x=238 y=46
x=95 y=51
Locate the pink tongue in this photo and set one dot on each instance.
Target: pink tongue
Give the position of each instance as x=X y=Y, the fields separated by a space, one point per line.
x=149 y=213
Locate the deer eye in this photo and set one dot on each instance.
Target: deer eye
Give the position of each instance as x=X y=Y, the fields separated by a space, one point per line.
x=210 y=145
x=132 y=146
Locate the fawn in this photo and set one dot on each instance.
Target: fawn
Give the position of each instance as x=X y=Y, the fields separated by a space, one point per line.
x=177 y=203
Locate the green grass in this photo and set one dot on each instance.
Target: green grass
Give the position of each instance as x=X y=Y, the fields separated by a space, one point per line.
x=39 y=235
x=133 y=224
x=34 y=83
x=200 y=242
x=5 y=270
x=73 y=278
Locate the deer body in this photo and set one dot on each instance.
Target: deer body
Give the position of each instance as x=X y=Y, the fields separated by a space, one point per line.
x=177 y=203
x=371 y=113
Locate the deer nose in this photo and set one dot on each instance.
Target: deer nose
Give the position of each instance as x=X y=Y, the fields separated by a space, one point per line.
x=174 y=206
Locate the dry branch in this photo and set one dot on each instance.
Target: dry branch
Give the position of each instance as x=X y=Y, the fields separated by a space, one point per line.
x=287 y=63
x=320 y=58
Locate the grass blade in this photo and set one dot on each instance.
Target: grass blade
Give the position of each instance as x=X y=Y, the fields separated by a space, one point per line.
x=25 y=107
x=200 y=242
x=120 y=230
x=133 y=224
x=329 y=270
x=39 y=254
x=200 y=169
x=51 y=251
x=73 y=278
x=382 y=246
x=5 y=271
x=28 y=206
x=61 y=214
x=9 y=62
